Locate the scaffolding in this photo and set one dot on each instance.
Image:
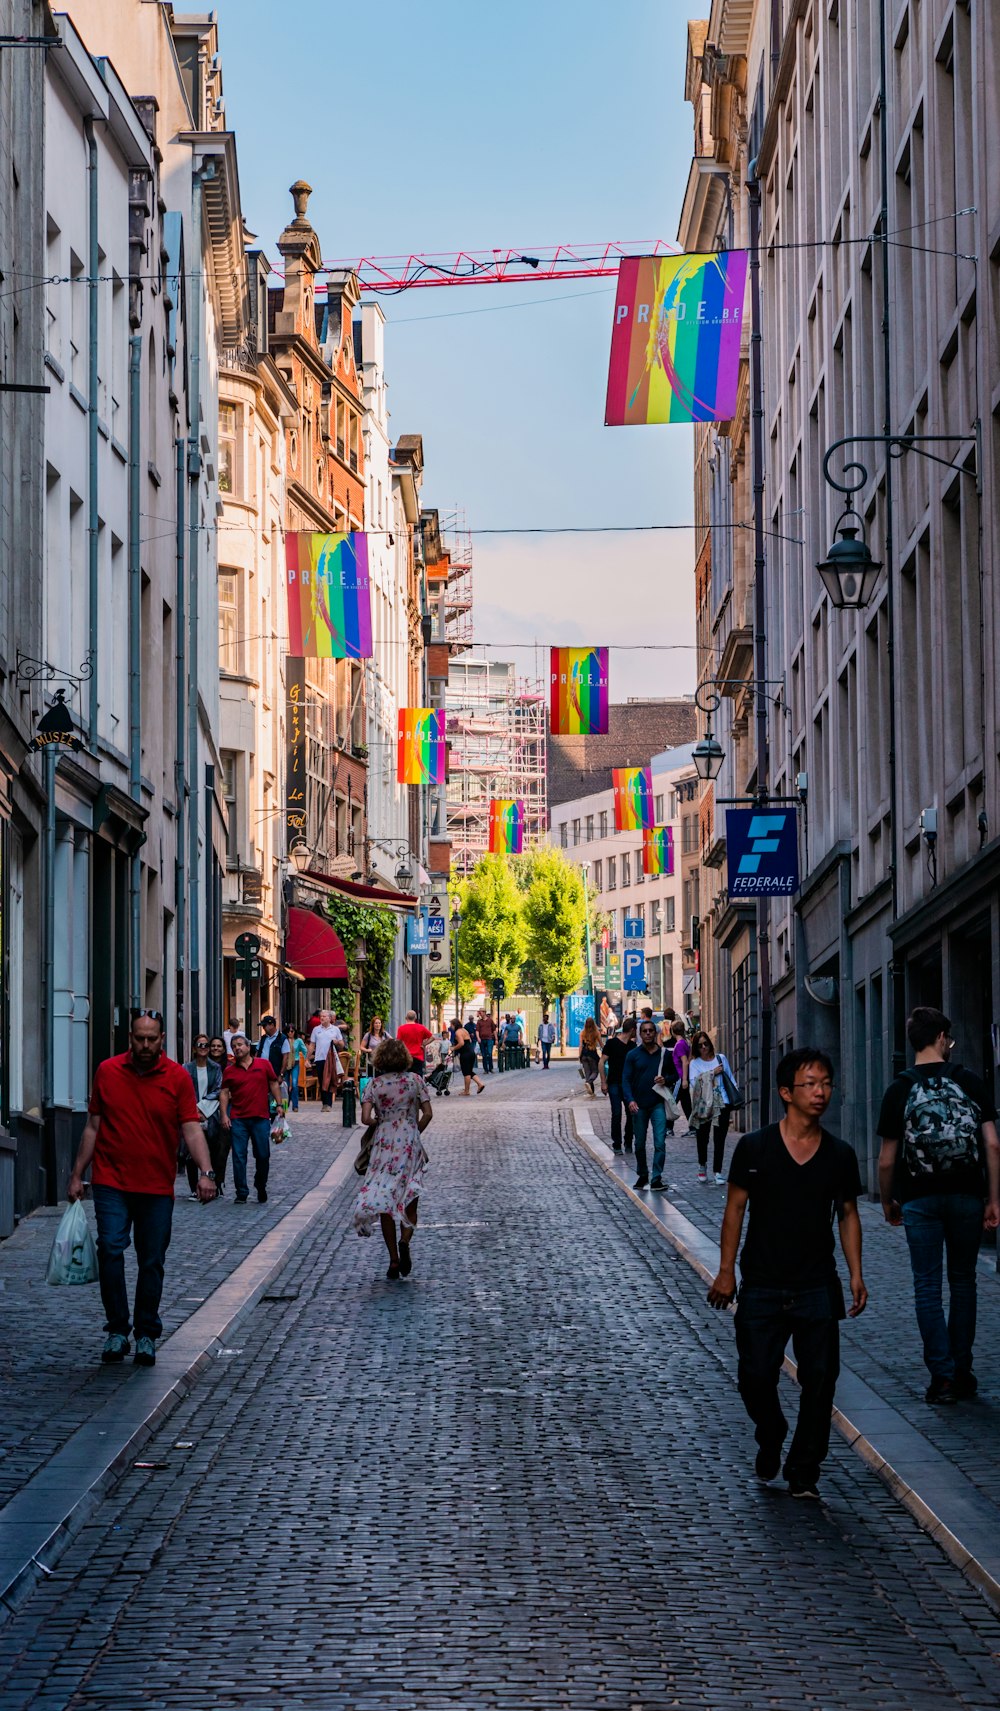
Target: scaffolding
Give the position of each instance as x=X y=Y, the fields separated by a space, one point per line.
x=497 y=748
x=457 y=542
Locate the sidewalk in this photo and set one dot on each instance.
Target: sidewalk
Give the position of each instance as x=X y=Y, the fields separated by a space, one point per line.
x=882 y=1349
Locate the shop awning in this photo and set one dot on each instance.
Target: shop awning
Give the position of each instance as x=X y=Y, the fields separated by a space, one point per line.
x=313 y=949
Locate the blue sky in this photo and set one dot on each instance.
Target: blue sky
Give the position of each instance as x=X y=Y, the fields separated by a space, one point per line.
x=453 y=126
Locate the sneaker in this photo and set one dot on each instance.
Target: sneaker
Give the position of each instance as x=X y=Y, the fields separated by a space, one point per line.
x=703 y=1175
x=616 y=1146
x=262 y=1196
x=628 y=1146
x=965 y=1385
x=803 y=1488
x=115 y=1349
x=768 y=1462
x=145 y=1351
x=720 y=1181
x=641 y=1182
x=241 y=1199
x=941 y=1390
x=657 y=1183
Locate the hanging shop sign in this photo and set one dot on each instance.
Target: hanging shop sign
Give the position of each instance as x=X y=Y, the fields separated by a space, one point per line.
x=55 y=728
x=762 y=852
x=296 y=817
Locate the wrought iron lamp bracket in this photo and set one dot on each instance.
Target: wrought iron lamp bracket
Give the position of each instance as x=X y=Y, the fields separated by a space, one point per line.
x=858 y=474
x=28 y=670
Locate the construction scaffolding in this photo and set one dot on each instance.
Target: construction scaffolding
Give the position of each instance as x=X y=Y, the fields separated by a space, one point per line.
x=457 y=542
x=497 y=748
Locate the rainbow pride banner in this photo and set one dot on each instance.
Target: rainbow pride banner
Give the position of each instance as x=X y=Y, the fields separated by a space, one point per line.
x=633 y=787
x=506 y=827
x=657 y=851
x=578 y=692
x=675 y=344
x=329 y=597
x=420 y=746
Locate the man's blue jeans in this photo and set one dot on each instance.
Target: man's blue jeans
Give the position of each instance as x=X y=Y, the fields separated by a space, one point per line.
x=935 y=1225
x=546 y=1046
x=293 y=1086
x=618 y=1105
x=148 y=1217
x=641 y=1120
x=256 y=1132
x=486 y=1047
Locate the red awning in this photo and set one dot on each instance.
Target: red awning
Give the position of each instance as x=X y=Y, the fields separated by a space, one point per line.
x=313 y=949
x=363 y=893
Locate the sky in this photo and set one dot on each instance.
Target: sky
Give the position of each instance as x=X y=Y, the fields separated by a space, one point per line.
x=453 y=126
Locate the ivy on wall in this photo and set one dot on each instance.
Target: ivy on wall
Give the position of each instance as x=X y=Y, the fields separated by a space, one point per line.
x=377 y=926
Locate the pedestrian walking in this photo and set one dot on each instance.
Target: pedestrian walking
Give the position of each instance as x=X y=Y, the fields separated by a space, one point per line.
x=794 y=1176
x=939 y=1176
x=299 y=1069
x=371 y=1042
x=681 y=1047
x=486 y=1032
x=640 y=1071
x=708 y=1073
x=590 y=1054
x=609 y=1019
x=397 y=1102
x=546 y=1038
x=234 y=1027
x=276 y=1047
x=141 y=1104
x=414 y=1037
x=612 y=1063
x=465 y=1046
x=325 y=1042
x=244 y=1110
x=206 y=1079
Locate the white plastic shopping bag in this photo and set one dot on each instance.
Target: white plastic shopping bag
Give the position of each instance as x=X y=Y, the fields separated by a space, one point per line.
x=74 y=1257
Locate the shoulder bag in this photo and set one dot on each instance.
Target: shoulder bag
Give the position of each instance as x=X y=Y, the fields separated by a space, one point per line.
x=733 y=1094
x=665 y=1093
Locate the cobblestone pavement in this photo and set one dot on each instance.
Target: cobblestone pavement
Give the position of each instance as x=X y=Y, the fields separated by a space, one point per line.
x=519 y=1479
x=883 y=1347
x=50 y=1339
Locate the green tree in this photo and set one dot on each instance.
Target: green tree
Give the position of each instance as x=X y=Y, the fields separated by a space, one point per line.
x=555 y=914
x=491 y=940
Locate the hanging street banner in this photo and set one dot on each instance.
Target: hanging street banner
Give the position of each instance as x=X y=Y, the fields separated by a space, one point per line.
x=675 y=344
x=578 y=692
x=633 y=787
x=418 y=939
x=762 y=852
x=329 y=596
x=420 y=746
x=506 y=827
x=657 y=851
x=296 y=814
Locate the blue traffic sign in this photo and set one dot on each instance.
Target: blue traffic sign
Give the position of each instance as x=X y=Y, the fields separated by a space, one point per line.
x=762 y=852
x=634 y=927
x=633 y=970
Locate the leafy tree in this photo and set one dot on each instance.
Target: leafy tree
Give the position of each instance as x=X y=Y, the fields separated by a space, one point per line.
x=443 y=991
x=377 y=926
x=491 y=940
x=555 y=914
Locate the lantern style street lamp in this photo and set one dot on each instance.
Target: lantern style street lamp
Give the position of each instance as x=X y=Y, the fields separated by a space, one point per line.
x=849 y=573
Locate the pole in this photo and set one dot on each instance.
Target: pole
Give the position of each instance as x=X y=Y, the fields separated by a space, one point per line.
x=760 y=630
x=456 y=976
x=136 y=982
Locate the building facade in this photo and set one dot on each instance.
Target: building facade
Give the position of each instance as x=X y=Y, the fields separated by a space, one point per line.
x=496 y=748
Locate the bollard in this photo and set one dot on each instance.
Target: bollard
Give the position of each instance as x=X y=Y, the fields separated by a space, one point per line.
x=349 y=1097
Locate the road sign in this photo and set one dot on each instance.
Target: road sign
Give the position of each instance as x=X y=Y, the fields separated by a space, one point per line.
x=762 y=852
x=634 y=927
x=418 y=941
x=246 y=944
x=634 y=970
x=613 y=972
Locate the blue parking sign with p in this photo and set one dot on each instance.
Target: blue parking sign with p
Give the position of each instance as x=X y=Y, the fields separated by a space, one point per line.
x=633 y=969
x=762 y=852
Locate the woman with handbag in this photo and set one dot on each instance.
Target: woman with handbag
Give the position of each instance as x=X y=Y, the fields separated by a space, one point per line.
x=590 y=1054
x=714 y=1094
x=397 y=1109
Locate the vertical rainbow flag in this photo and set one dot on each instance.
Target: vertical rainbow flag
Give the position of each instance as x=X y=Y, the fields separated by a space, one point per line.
x=578 y=692
x=657 y=851
x=420 y=746
x=329 y=596
x=633 y=787
x=675 y=344
x=506 y=827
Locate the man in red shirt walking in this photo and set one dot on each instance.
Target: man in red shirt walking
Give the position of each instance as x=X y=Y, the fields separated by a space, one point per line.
x=414 y=1037
x=244 y=1108
x=140 y=1105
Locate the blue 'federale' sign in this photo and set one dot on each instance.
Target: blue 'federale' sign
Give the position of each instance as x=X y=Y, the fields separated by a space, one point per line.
x=762 y=852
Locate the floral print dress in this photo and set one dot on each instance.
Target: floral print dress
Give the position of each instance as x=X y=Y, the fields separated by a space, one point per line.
x=398 y=1160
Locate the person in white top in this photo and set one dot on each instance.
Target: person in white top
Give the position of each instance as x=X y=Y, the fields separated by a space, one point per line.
x=710 y=1103
x=233 y=1028
x=323 y=1043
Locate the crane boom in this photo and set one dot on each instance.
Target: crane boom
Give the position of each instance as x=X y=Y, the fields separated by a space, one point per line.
x=498 y=266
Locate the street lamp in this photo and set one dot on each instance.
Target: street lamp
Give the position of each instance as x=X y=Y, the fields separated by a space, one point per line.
x=708 y=756
x=300 y=855
x=849 y=573
x=456 y=922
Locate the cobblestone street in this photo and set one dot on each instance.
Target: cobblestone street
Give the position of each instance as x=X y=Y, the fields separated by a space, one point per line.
x=522 y=1479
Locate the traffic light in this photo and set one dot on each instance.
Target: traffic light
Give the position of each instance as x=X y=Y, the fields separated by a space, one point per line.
x=248 y=969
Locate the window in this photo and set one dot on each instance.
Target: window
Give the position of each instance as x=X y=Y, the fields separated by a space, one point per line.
x=640 y=910
x=639 y=875
x=341 y=428
x=658 y=806
x=671 y=906
x=590 y=828
x=612 y=872
x=626 y=868
x=228 y=448
x=604 y=822
x=598 y=876
x=354 y=457
x=230 y=640
x=563 y=837
x=78 y=324
x=673 y=804
x=229 y=793
x=576 y=832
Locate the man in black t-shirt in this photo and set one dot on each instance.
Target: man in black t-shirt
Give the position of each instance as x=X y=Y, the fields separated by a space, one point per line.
x=616 y=1049
x=939 y=1176
x=795 y=1176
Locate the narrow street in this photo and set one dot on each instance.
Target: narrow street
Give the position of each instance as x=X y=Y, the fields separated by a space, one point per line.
x=521 y=1479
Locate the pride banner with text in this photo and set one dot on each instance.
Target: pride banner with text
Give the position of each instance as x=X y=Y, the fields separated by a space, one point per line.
x=675 y=344
x=633 y=787
x=420 y=745
x=578 y=692
x=329 y=596
x=506 y=827
x=657 y=851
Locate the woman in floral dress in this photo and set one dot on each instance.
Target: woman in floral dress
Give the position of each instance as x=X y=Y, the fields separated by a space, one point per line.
x=396 y=1099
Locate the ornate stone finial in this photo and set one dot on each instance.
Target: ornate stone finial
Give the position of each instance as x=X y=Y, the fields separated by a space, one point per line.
x=300 y=193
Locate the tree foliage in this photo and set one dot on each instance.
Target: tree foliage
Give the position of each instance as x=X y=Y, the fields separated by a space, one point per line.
x=555 y=913
x=491 y=941
x=377 y=926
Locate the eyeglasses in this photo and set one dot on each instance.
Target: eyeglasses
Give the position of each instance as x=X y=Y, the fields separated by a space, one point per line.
x=199 y=1043
x=150 y=1015
x=827 y=1086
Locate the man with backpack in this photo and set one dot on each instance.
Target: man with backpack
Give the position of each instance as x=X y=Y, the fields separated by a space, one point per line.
x=939 y=1176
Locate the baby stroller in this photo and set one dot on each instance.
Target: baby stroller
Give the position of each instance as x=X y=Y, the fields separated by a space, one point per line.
x=440 y=1077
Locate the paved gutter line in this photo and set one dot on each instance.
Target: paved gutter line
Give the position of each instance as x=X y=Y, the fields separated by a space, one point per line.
x=970 y=1536
x=38 y=1523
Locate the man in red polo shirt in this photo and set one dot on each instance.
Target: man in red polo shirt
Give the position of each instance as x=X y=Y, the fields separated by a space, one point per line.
x=140 y=1105
x=244 y=1108
x=414 y=1037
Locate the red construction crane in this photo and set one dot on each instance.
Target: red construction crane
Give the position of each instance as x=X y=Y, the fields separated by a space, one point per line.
x=497 y=267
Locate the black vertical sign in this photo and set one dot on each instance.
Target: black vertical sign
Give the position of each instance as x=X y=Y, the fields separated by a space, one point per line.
x=296 y=810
